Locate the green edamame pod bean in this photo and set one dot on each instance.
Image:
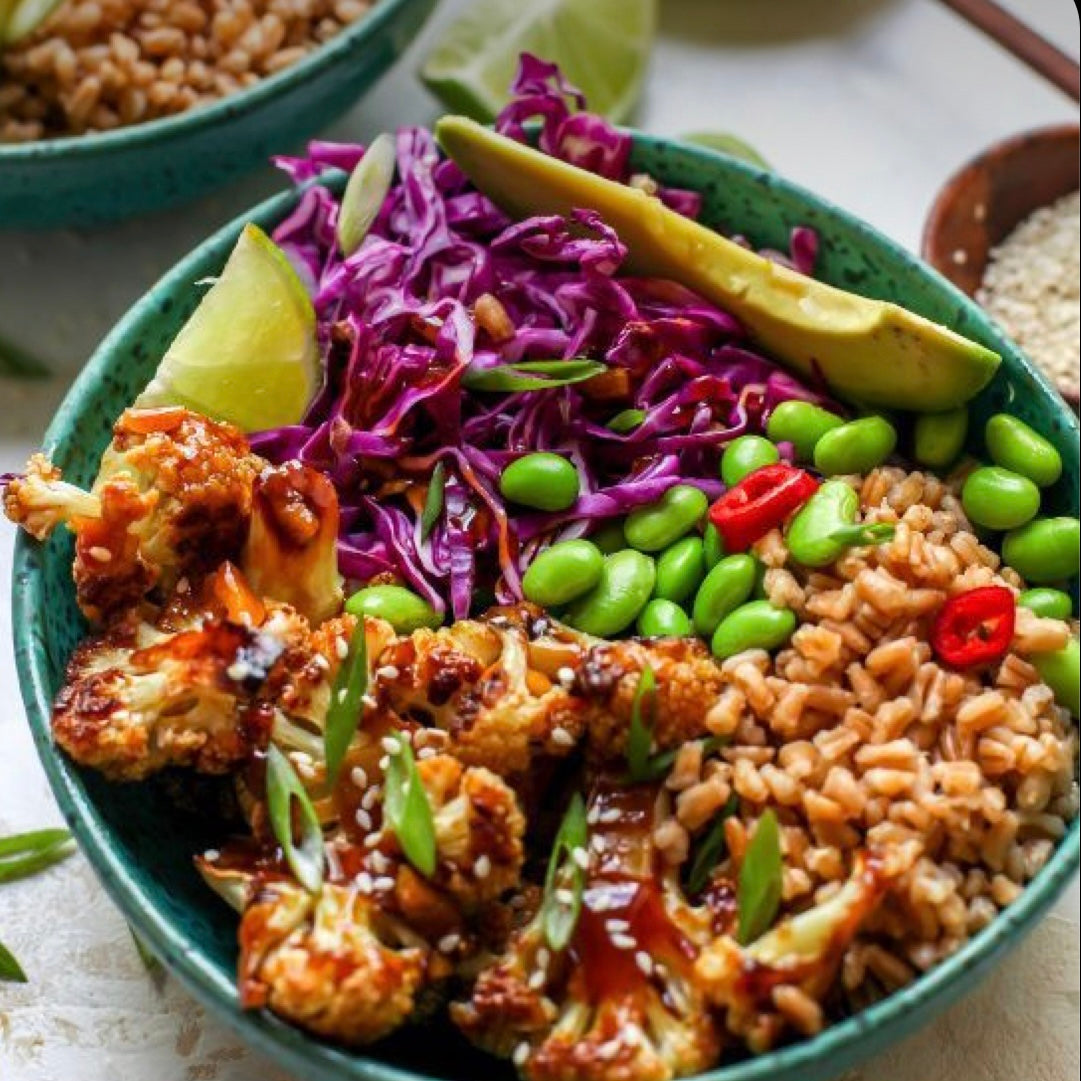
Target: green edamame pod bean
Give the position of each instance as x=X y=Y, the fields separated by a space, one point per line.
x=611 y=606
x=1061 y=671
x=744 y=455
x=756 y=625
x=542 y=480
x=856 y=447
x=725 y=588
x=801 y=424
x=609 y=538
x=664 y=619
x=1012 y=444
x=403 y=609
x=811 y=533
x=1045 y=550
x=1049 y=603
x=678 y=511
x=712 y=546
x=561 y=573
x=939 y=438
x=998 y=498
x=680 y=569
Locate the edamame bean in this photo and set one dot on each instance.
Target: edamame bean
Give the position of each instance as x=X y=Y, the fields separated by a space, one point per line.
x=625 y=584
x=561 y=573
x=1061 y=671
x=609 y=538
x=756 y=625
x=712 y=546
x=664 y=619
x=680 y=569
x=939 y=438
x=1049 y=603
x=856 y=447
x=403 y=609
x=1045 y=550
x=801 y=424
x=744 y=455
x=542 y=480
x=1012 y=444
x=678 y=511
x=810 y=534
x=998 y=498
x=725 y=588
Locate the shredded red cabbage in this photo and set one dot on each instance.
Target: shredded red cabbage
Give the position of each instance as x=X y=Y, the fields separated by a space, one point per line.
x=398 y=330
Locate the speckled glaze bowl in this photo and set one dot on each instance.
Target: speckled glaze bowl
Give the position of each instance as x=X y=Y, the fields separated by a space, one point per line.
x=141 y=846
x=100 y=177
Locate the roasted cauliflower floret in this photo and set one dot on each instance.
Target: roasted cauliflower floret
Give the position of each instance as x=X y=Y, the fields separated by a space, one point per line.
x=336 y=964
x=619 y=1001
x=483 y=684
x=291 y=550
x=688 y=684
x=172 y=499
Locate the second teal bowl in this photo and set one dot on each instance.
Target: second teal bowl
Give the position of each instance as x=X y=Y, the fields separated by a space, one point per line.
x=103 y=176
x=141 y=847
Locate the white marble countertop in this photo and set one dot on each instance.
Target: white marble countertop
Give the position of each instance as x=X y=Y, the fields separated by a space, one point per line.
x=872 y=103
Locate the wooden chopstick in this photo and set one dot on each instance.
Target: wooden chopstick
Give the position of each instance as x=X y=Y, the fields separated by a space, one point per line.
x=1021 y=40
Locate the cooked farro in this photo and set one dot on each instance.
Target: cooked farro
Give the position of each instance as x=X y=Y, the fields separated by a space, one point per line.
x=102 y=64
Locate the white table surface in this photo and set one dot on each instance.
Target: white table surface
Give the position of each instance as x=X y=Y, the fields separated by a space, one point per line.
x=872 y=103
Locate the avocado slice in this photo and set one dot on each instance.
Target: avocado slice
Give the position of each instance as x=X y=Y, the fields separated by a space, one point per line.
x=867 y=351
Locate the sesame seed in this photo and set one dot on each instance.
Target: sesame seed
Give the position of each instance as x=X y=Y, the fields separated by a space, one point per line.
x=364 y=882
x=341 y=647
x=562 y=738
x=608 y=1050
x=543 y=957
x=426 y=752
x=238 y=671
x=565 y=896
x=359 y=776
x=594 y=815
x=211 y=855
x=580 y=857
x=482 y=868
x=102 y=555
x=320 y=662
x=521 y=1053
x=598 y=843
x=372 y=840
x=183 y=585
x=388 y=671
x=624 y=942
x=536 y=980
x=391 y=745
x=379 y=862
x=448 y=943
x=644 y=962
x=616 y=926
x=364 y=820
x=610 y=816
x=343 y=694
x=369 y=701
x=565 y=676
x=383 y=883
x=370 y=798
x=384 y=763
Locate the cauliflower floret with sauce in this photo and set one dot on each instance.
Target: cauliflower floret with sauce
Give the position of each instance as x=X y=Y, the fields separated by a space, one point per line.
x=172 y=499
x=688 y=684
x=497 y=686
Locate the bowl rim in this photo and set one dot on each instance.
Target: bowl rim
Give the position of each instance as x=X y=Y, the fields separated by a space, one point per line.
x=830 y=1052
x=224 y=110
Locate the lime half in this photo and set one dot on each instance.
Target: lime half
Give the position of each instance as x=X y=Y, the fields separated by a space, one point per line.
x=248 y=354
x=601 y=46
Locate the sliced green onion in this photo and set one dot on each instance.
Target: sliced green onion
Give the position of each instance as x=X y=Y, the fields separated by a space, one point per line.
x=661 y=763
x=365 y=192
x=28 y=853
x=346 y=702
x=283 y=789
x=532 y=375
x=856 y=536
x=559 y=917
x=710 y=850
x=433 y=501
x=640 y=734
x=407 y=810
x=10 y=969
x=760 y=880
x=626 y=421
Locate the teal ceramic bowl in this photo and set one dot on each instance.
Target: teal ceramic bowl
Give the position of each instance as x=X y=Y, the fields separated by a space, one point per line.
x=141 y=847
x=101 y=177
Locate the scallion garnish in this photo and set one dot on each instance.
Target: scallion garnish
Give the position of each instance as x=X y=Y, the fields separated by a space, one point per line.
x=407 y=810
x=433 y=501
x=27 y=853
x=559 y=916
x=710 y=849
x=346 y=702
x=661 y=763
x=306 y=859
x=10 y=969
x=640 y=734
x=627 y=421
x=760 y=880
x=532 y=375
x=856 y=536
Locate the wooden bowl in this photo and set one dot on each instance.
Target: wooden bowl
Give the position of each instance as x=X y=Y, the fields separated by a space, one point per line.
x=979 y=206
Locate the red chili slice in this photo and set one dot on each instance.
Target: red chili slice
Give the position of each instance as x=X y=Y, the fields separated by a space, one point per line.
x=975 y=627
x=759 y=503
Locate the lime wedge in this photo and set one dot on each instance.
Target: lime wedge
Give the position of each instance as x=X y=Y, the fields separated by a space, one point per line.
x=248 y=354
x=602 y=47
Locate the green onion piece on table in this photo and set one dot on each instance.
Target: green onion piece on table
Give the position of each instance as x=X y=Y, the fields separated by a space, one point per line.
x=407 y=810
x=346 y=702
x=559 y=916
x=532 y=375
x=10 y=969
x=760 y=880
x=433 y=501
x=27 y=853
x=284 y=789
